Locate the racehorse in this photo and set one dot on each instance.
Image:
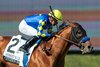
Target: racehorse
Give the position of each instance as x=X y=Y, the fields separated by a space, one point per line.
x=52 y=52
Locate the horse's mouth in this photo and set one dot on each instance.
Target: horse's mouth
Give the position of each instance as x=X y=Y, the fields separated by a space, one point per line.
x=86 y=49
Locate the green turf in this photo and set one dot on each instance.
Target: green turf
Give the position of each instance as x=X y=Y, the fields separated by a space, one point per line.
x=75 y=60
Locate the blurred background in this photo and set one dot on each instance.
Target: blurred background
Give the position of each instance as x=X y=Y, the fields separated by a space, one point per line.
x=85 y=12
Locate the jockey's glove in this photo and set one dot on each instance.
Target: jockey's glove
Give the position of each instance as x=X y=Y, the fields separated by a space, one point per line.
x=53 y=34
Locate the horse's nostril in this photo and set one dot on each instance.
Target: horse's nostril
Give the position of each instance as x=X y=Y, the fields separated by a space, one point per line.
x=89 y=46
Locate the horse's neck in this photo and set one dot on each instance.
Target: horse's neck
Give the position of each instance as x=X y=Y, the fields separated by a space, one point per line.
x=57 y=52
x=60 y=46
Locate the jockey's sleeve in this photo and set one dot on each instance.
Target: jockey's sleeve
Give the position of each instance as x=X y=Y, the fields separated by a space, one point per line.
x=40 y=30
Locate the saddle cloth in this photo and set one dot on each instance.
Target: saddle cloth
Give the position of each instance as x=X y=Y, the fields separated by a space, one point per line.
x=12 y=53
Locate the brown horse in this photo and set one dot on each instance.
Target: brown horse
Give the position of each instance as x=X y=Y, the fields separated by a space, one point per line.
x=59 y=45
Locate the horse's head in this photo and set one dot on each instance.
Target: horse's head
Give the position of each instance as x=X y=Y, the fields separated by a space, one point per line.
x=79 y=38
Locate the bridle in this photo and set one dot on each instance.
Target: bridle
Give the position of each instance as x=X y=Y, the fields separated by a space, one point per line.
x=76 y=41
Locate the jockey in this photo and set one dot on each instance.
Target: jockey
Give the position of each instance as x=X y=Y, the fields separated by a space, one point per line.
x=35 y=24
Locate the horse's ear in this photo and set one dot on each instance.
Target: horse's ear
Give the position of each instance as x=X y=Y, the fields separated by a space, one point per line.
x=70 y=23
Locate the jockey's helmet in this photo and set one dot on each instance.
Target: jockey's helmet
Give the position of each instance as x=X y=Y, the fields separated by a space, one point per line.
x=56 y=14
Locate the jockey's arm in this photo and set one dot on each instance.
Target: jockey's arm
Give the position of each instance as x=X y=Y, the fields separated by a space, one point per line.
x=40 y=30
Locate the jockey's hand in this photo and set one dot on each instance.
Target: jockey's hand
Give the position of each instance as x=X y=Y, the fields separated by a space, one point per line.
x=48 y=37
x=53 y=34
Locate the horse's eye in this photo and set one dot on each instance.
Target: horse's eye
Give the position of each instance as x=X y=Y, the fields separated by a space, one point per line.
x=79 y=33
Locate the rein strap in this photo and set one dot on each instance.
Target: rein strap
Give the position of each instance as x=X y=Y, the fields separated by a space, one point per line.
x=67 y=40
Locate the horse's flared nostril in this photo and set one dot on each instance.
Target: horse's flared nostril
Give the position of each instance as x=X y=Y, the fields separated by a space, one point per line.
x=89 y=46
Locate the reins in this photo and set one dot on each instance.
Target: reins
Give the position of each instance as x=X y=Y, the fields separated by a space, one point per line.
x=59 y=36
x=77 y=44
x=67 y=40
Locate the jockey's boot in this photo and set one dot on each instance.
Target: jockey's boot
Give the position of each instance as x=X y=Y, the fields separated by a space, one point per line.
x=25 y=48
